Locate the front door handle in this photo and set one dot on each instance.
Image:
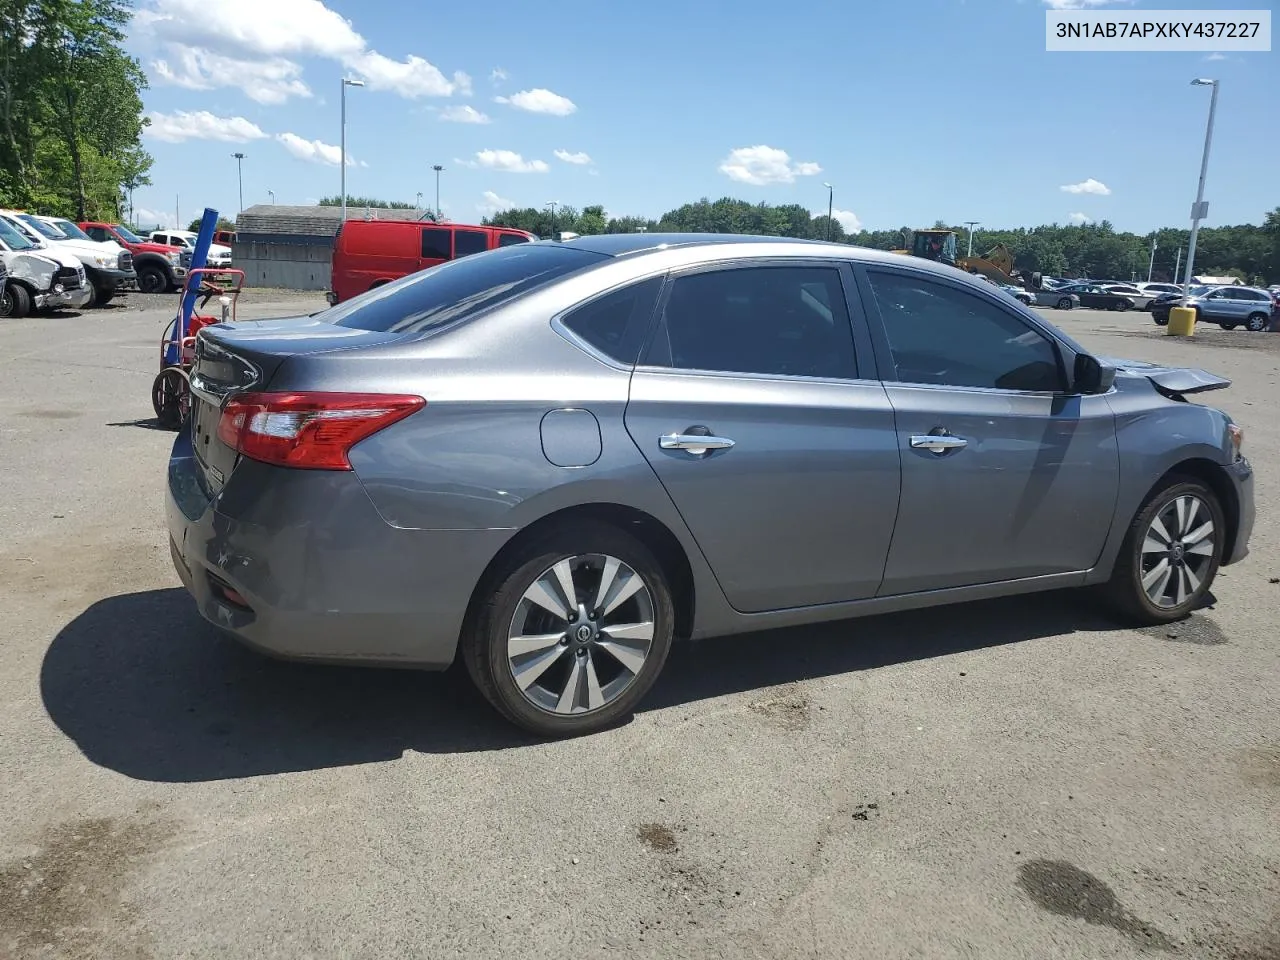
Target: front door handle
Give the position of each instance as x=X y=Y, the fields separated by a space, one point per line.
x=938 y=444
x=693 y=443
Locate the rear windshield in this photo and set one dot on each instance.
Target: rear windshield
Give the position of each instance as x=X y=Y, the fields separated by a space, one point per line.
x=439 y=295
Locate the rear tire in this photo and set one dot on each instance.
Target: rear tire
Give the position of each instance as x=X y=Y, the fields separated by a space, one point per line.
x=1227 y=325
x=16 y=302
x=575 y=684
x=152 y=279
x=1257 y=322
x=1160 y=321
x=1170 y=553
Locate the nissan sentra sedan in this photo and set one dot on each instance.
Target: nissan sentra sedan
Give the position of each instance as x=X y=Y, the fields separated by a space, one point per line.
x=553 y=459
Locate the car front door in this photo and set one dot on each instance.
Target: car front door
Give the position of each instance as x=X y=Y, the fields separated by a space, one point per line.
x=769 y=432
x=1005 y=475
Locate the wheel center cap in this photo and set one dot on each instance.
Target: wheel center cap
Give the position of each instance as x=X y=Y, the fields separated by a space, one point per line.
x=583 y=633
x=1177 y=551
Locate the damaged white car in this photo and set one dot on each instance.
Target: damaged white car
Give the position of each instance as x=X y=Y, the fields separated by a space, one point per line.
x=38 y=279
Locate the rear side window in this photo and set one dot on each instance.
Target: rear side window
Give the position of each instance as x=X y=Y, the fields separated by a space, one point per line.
x=458 y=289
x=775 y=321
x=510 y=239
x=467 y=242
x=616 y=323
x=437 y=243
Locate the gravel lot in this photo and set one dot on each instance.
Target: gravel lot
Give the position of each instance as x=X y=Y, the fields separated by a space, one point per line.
x=1014 y=779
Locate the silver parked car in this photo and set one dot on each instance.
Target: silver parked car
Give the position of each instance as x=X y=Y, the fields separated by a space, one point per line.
x=1231 y=307
x=552 y=459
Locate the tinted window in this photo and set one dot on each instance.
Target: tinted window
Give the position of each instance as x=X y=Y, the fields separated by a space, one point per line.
x=615 y=324
x=787 y=321
x=507 y=239
x=454 y=290
x=467 y=242
x=941 y=335
x=436 y=243
x=99 y=233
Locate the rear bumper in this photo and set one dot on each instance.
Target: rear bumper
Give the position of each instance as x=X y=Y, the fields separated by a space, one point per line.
x=323 y=577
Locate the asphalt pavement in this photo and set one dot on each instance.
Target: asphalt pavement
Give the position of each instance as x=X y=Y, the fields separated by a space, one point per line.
x=1012 y=779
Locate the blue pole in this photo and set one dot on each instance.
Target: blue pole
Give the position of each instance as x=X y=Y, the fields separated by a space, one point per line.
x=204 y=239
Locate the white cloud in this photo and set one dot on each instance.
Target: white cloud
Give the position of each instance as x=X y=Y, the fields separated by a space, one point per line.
x=540 y=101
x=1079 y=219
x=145 y=217
x=492 y=203
x=232 y=44
x=1087 y=186
x=579 y=159
x=464 y=113
x=847 y=219
x=497 y=75
x=270 y=81
x=181 y=126
x=509 y=161
x=762 y=165
x=1080 y=4
x=316 y=151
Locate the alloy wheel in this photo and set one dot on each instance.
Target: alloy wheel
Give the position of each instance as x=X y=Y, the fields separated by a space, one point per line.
x=1177 y=551
x=580 y=634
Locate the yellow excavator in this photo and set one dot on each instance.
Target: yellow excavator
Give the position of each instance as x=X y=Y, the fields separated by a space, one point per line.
x=940 y=245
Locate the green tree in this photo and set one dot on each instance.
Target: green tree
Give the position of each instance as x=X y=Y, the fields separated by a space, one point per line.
x=223 y=224
x=336 y=201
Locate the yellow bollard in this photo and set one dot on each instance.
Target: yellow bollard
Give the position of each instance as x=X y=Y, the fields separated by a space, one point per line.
x=1182 y=322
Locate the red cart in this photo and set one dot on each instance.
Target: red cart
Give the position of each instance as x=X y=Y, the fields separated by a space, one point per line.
x=171 y=389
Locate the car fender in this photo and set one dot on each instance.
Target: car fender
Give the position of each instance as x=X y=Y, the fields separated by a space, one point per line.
x=34 y=270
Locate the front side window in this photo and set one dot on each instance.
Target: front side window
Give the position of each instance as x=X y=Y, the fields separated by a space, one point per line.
x=772 y=321
x=944 y=336
x=467 y=242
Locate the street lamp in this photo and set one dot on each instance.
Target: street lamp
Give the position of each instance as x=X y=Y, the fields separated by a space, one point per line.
x=971 y=224
x=342 y=162
x=552 y=204
x=1201 y=208
x=418 y=203
x=831 y=202
x=272 y=195
x=437 y=168
x=240 y=176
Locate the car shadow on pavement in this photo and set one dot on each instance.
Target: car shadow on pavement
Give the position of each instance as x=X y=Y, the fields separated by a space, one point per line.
x=148 y=689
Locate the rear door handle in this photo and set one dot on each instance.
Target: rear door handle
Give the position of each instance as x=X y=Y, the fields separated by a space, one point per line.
x=693 y=443
x=938 y=444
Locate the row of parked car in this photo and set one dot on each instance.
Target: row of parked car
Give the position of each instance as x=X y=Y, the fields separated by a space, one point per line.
x=51 y=263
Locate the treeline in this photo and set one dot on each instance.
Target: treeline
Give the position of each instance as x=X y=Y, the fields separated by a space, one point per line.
x=1247 y=251
x=70 y=111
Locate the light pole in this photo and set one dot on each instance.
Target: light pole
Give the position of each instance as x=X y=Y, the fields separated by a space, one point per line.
x=1201 y=209
x=552 y=205
x=831 y=203
x=971 y=224
x=437 y=168
x=1152 y=265
x=418 y=203
x=272 y=195
x=240 y=176
x=342 y=161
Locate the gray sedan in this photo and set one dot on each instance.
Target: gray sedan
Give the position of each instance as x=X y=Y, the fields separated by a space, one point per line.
x=553 y=459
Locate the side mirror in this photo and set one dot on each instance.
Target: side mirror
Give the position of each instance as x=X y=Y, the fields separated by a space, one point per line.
x=1091 y=375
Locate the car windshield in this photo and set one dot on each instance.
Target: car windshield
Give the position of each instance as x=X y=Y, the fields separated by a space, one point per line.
x=71 y=231
x=439 y=295
x=13 y=239
x=51 y=232
x=127 y=234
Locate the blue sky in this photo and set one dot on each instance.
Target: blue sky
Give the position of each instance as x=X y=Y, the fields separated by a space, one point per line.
x=915 y=110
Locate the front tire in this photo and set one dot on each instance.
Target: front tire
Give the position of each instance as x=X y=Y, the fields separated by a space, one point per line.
x=1160 y=321
x=1170 y=554
x=152 y=279
x=560 y=665
x=1064 y=303
x=16 y=302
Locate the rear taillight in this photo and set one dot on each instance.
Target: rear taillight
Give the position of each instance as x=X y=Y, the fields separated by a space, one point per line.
x=311 y=431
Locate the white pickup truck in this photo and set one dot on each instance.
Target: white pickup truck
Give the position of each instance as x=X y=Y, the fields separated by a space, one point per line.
x=38 y=278
x=219 y=256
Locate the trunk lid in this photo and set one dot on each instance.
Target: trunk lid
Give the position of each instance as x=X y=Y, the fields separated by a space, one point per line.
x=236 y=357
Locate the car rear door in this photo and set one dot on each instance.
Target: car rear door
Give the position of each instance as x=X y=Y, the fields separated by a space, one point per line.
x=1004 y=475
x=769 y=432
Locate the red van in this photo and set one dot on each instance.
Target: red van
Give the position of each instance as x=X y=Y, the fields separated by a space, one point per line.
x=369 y=253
